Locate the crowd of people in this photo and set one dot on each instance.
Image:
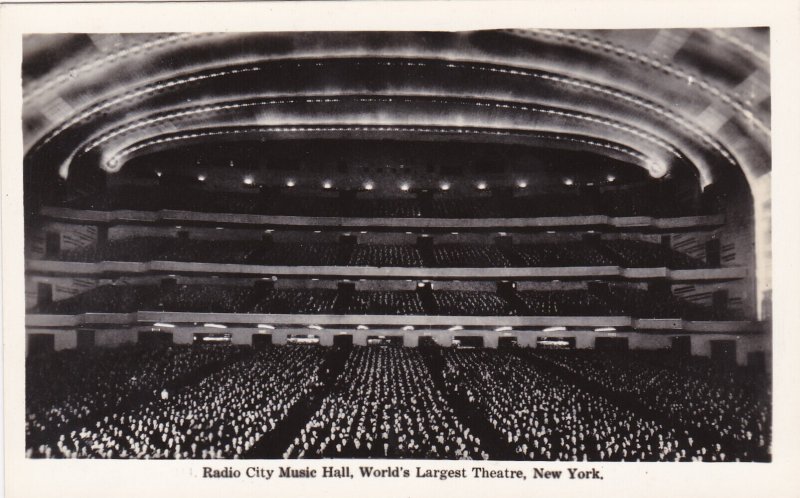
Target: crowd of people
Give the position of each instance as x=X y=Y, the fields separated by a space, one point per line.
x=385 y=303
x=619 y=300
x=385 y=255
x=223 y=401
x=385 y=405
x=467 y=303
x=622 y=252
x=72 y=387
x=223 y=416
x=469 y=256
x=733 y=408
x=544 y=417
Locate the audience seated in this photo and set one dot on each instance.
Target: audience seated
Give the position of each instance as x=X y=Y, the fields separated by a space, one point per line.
x=472 y=303
x=385 y=405
x=544 y=417
x=731 y=409
x=385 y=255
x=221 y=401
x=223 y=416
x=385 y=303
x=469 y=256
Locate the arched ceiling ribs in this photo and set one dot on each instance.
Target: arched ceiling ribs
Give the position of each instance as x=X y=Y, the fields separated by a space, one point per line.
x=570 y=141
x=636 y=110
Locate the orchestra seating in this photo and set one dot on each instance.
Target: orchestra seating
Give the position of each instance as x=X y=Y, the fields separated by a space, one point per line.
x=224 y=401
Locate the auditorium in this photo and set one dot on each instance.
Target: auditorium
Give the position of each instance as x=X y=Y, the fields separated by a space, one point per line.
x=539 y=245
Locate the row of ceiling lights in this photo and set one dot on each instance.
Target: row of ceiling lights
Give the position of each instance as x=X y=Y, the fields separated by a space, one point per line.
x=405 y=186
x=454 y=328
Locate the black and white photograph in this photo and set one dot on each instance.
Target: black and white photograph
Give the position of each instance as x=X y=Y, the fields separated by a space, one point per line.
x=504 y=244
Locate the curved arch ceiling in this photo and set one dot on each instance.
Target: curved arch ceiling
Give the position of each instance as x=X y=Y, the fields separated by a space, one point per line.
x=662 y=99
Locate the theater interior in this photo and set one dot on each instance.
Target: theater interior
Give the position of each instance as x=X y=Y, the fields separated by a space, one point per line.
x=504 y=244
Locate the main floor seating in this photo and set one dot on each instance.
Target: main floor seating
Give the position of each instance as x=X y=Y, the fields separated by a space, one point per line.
x=224 y=401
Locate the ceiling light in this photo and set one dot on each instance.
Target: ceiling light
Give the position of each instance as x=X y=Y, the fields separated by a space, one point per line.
x=315 y=327
x=522 y=184
x=265 y=326
x=503 y=329
x=455 y=328
x=568 y=181
x=248 y=180
x=201 y=178
x=164 y=325
x=317 y=231
x=554 y=329
x=408 y=327
x=611 y=178
x=369 y=186
x=362 y=327
x=290 y=183
x=605 y=329
x=445 y=186
x=214 y=326
x=481 y=185
x=404 y=187
x=327 y=184
x=158 y=173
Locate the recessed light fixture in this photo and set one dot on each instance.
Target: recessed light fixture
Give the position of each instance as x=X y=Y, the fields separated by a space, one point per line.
x=362 y=327
x=315 y=327
x=455 y=328
x=247 y=180
x=265 y=326
x=445 y=186
x=164 y=325
x=369 y=186
x=214 y=326
x=611 y=178
x=290 y=183
x=568 y=181
x=522 y=184
x=503 y=329
x=554 y=329
x=481 y=185
x=201 y=178
x=404 y=187
x=327 y=184
x=158 y=173
x=605 y=329
x=408 y=327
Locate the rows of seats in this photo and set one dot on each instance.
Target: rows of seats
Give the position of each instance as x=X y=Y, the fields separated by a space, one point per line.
x=469 y=256
x=472 y=303
x=641 y=254
x=620 y=300
x=562 y=254
x=72 y=387
x=385 y=303
x=385 y=255
x=296 y=301
x=640 y=201
x=725 y=403
x=392 y=402
x=223 y=416
x=385 y=405
x=544 y=417
x=574 y=302
x=625 y=253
